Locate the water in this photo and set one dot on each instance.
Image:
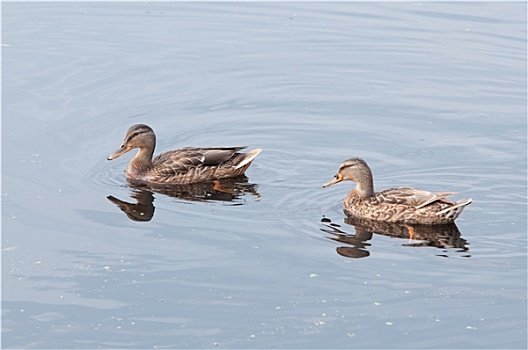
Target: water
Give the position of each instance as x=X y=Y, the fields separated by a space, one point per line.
x=432 y=96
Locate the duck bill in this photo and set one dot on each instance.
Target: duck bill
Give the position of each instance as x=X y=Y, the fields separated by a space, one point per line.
x=337 y=178
x=118 y=153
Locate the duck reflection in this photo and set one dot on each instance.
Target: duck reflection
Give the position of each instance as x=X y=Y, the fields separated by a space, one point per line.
x=224 y=190
x=142 y=210
x=440 y=236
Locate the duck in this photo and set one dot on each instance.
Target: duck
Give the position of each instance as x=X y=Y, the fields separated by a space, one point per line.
x=404 y=205
x=180 y=166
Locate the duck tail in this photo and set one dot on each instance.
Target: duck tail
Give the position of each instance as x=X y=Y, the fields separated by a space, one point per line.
x=452 y=212
x=248 y=158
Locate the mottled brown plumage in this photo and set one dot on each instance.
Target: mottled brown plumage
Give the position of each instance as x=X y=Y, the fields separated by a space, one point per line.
x=401 y=204
x=180 y=166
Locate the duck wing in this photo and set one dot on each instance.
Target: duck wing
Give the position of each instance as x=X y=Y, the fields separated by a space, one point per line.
x=412 y=197
x=215 y=156
x=184 y=159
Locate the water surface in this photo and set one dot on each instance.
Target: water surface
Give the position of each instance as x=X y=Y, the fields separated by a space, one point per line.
x=432 y=96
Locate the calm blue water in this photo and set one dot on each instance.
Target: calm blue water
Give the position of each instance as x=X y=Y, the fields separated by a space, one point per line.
x=432 y=96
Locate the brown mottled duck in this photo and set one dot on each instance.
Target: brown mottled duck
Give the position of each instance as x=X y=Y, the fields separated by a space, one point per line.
x=400 y=204
x=181 y=166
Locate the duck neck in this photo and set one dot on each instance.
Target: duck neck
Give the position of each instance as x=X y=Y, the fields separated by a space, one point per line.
x=365 y=187
x=141 y=162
